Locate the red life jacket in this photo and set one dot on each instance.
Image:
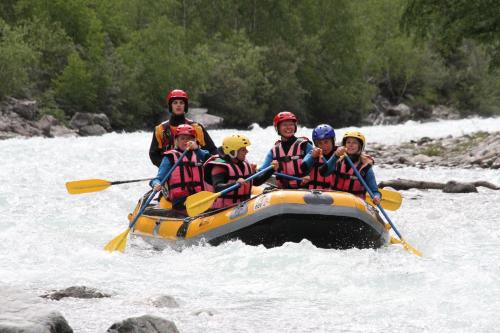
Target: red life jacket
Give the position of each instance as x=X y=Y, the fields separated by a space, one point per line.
x=317 y=180
x=346 y=180
x=187 y=178
x=290 y=162
x=234 y=172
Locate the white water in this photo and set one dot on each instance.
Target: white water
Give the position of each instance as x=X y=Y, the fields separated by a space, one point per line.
x=52 y=240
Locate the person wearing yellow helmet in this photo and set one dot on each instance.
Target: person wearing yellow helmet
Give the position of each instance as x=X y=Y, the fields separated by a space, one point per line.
x=230 y=167
x=344 y=177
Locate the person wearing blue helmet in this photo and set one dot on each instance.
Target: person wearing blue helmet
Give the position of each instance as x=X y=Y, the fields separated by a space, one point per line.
x=320 y=175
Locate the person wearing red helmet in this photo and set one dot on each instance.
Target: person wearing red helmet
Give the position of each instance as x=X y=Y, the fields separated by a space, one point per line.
x=164 y=133
x=188 y=177
x=289 y=151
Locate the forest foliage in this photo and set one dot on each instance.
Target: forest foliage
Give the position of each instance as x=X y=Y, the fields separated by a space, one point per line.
x=245 y=60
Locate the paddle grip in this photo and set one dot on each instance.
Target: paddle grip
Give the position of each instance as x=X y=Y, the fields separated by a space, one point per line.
x=283 y=175
x=129 y=181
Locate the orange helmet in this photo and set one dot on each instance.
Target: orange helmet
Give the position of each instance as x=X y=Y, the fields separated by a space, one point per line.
x=177 y=94
x=185 y=129
x=283 y=116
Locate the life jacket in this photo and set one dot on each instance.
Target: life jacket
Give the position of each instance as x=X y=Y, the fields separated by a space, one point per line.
x=318 y=181
x=346 y=180
x=234 y=172
x=187 y=178
x=165 y=133
x=290 y=162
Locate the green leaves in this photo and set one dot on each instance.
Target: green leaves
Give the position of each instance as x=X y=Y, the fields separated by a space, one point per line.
x=325 y=60
x=16 y=59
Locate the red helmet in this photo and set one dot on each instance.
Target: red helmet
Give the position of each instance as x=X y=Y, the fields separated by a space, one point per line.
x=177 y=94
x=283 y=116
x=185 y=129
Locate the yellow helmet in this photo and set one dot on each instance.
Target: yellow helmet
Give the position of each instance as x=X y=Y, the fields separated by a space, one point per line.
x=234 y=142
x=357 y=135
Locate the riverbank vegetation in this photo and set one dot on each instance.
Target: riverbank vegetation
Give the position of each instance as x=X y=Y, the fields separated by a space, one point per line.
x=326 y=60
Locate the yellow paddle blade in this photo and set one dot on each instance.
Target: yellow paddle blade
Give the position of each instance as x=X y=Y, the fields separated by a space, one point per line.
x=87 y=186
x=411 y=249
x=391 y=200
x=200 y=202
x=118 y=243
x=406 y=246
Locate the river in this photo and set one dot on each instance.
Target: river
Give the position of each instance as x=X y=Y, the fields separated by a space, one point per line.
x=50 y=240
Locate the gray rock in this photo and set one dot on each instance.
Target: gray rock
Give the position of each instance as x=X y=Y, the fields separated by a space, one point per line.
x=143 y=324
x=421 y=159
x=45 y=124
x=25 y=129
x=81 y=119
x=76 y=292
x=401 y=111
x=201 y=116
x=165 y=301
x=25 y=108
x=48 y=322
x=22 y=313
x=61 y=131
x=444 y=112
x=90 y=130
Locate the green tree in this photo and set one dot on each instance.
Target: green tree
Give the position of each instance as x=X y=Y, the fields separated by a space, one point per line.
x=75 y=90
x=238 y=90
x=449 y=22
x=332 y=70
x=16 y=59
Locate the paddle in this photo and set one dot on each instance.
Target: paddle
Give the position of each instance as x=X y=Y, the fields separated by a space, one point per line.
x=406 y=246
x=119 y=242
x=95 y=185
x=391 y=200
x=201 y=201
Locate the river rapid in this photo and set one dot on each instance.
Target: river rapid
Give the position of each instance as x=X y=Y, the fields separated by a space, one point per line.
x=50 y=240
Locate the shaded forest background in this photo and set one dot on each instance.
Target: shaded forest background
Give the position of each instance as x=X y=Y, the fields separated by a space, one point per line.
x=245 y=60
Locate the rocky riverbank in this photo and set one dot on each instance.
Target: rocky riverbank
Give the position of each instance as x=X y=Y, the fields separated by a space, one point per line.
x=23 y=312
x=479 y=150
x=22 y=118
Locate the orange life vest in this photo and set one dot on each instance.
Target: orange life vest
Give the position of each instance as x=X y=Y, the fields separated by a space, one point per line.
x=165 y=134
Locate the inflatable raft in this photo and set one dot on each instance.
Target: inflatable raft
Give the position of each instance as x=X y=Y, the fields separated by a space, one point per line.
x=271 y=218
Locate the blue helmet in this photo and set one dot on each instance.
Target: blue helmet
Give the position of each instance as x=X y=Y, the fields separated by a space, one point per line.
x=323 y=131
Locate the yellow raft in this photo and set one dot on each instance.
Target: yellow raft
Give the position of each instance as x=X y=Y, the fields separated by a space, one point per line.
x=271 y=218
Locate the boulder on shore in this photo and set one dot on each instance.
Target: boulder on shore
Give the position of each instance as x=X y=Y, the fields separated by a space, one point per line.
x=143 y=324
x=22 y=312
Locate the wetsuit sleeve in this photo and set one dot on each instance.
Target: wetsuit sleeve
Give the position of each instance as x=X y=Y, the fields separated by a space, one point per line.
x=308 y=148
x=259 y=180
x=209 y=143
x=202 y=154
x=372 y=182
x=219 y=181
x=329 y=167
x=165 y=166
x=267 y=160
x=307 y=163
x=155 y=153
